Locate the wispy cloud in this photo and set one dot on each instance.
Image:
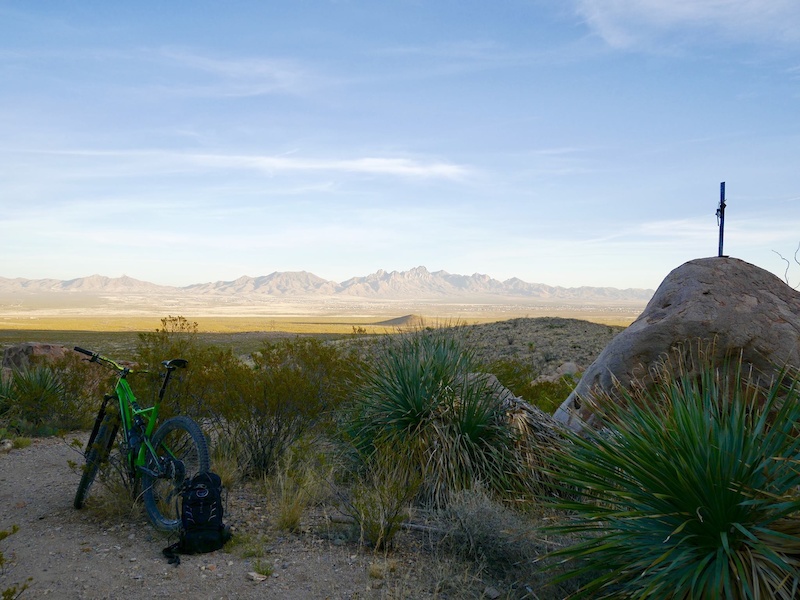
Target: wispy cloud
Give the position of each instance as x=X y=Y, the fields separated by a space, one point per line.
x=401 y=167
x=180 y=71
x=630 y=23
x=238 y=76
x=116 y=162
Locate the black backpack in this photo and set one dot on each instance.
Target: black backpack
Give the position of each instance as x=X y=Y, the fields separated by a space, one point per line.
x=202 y=529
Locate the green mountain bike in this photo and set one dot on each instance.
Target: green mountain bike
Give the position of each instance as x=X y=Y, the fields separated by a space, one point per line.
x=157 y=464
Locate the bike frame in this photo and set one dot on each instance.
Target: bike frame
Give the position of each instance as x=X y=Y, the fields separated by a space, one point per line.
x=133 y=417
x=136 y=422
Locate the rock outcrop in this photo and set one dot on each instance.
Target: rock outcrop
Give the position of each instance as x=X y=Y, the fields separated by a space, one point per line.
x=19 y=356
x=741 y=307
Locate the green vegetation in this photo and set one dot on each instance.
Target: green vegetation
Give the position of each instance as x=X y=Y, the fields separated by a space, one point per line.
x=689 y=491
x=381 y=496
x=421 y=395
x=302 y=480
x=693 y=491
x=292 y=388
x=46 y=399
x=520 y=377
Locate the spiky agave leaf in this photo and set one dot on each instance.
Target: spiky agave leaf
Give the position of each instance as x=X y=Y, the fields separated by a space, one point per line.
x=419 y=395
x=693 y=490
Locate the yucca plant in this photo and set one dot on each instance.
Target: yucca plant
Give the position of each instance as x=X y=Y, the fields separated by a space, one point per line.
x=691 y=491
x=34 y=402
x=419 y=395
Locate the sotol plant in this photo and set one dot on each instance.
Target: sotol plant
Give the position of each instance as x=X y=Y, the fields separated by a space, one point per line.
x=692 y=491
x=418 y=395
x=35 y=401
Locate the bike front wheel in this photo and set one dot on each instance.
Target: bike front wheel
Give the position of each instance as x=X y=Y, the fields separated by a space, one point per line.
x=96 y=454
x=181 y=453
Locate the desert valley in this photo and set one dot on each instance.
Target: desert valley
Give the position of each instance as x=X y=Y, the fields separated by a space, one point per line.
x=297 y=299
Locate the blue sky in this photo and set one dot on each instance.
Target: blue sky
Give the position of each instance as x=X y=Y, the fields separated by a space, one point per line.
x=579 y=142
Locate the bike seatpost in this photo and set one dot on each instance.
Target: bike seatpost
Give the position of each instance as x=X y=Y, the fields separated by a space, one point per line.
x=164 y=385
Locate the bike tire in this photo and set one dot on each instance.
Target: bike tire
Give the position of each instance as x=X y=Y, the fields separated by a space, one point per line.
x=182 y=453
x=96 y=454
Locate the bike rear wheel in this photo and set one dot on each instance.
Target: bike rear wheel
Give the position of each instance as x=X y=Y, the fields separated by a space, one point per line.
x=96 y=454
x=182 y=453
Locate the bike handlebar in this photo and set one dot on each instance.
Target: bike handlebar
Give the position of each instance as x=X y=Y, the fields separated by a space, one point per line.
x=96 y=357
x=175 y=363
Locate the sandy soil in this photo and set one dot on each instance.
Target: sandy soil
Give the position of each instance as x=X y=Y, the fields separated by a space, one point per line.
x=69 y=554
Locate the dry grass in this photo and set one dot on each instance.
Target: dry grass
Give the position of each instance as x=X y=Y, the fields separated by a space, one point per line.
x=293 y=503
x=374 y=323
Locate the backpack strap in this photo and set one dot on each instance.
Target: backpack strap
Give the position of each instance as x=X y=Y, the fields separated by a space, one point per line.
x=171 y=552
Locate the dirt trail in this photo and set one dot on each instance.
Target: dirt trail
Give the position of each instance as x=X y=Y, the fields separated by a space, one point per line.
x=68 y=554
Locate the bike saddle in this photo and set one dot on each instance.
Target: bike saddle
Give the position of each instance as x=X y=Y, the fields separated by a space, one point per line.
x=175 y=363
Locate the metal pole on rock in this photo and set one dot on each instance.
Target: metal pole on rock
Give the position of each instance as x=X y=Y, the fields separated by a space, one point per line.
x=721 y=216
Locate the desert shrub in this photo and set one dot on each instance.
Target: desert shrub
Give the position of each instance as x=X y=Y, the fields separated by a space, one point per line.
x=515 y=374
x=37 y=401
x=692 y=491
x=502 y=545
x=176 y=338
x=479 y=529
x=303 y=478
x=548 y=395
x=520 y=377
x=418 y=395
x=381 y=497
x=115 y=498
x=292 y=388
x=6 y=395
x=225 y=462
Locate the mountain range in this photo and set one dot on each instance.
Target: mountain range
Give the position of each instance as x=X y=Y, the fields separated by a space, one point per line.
x=417 y=283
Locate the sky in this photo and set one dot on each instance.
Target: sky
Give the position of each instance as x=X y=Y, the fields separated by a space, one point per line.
x=570 y=142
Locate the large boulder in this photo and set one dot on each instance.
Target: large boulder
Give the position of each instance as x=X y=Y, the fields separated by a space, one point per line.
x=19 y=357
x=739 y=306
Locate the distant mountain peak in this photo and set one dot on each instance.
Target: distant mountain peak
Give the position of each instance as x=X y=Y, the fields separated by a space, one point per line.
x=416 y=283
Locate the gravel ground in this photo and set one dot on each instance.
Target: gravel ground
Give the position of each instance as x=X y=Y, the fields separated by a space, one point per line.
x=71 y=554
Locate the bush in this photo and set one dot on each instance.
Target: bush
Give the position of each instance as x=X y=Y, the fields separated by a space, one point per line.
x=692 y=492
x=177 y=338
x=292 y=388
x=303 y=478
x=43 y=400
x=382 y=496
x=520 y=377
x=476 y=528
x=418 y=395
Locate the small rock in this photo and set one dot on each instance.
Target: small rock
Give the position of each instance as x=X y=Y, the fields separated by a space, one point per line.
x=568 y=368
x=492 y=593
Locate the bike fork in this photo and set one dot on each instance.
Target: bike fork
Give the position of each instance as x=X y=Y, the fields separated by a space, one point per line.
x=100 y=416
